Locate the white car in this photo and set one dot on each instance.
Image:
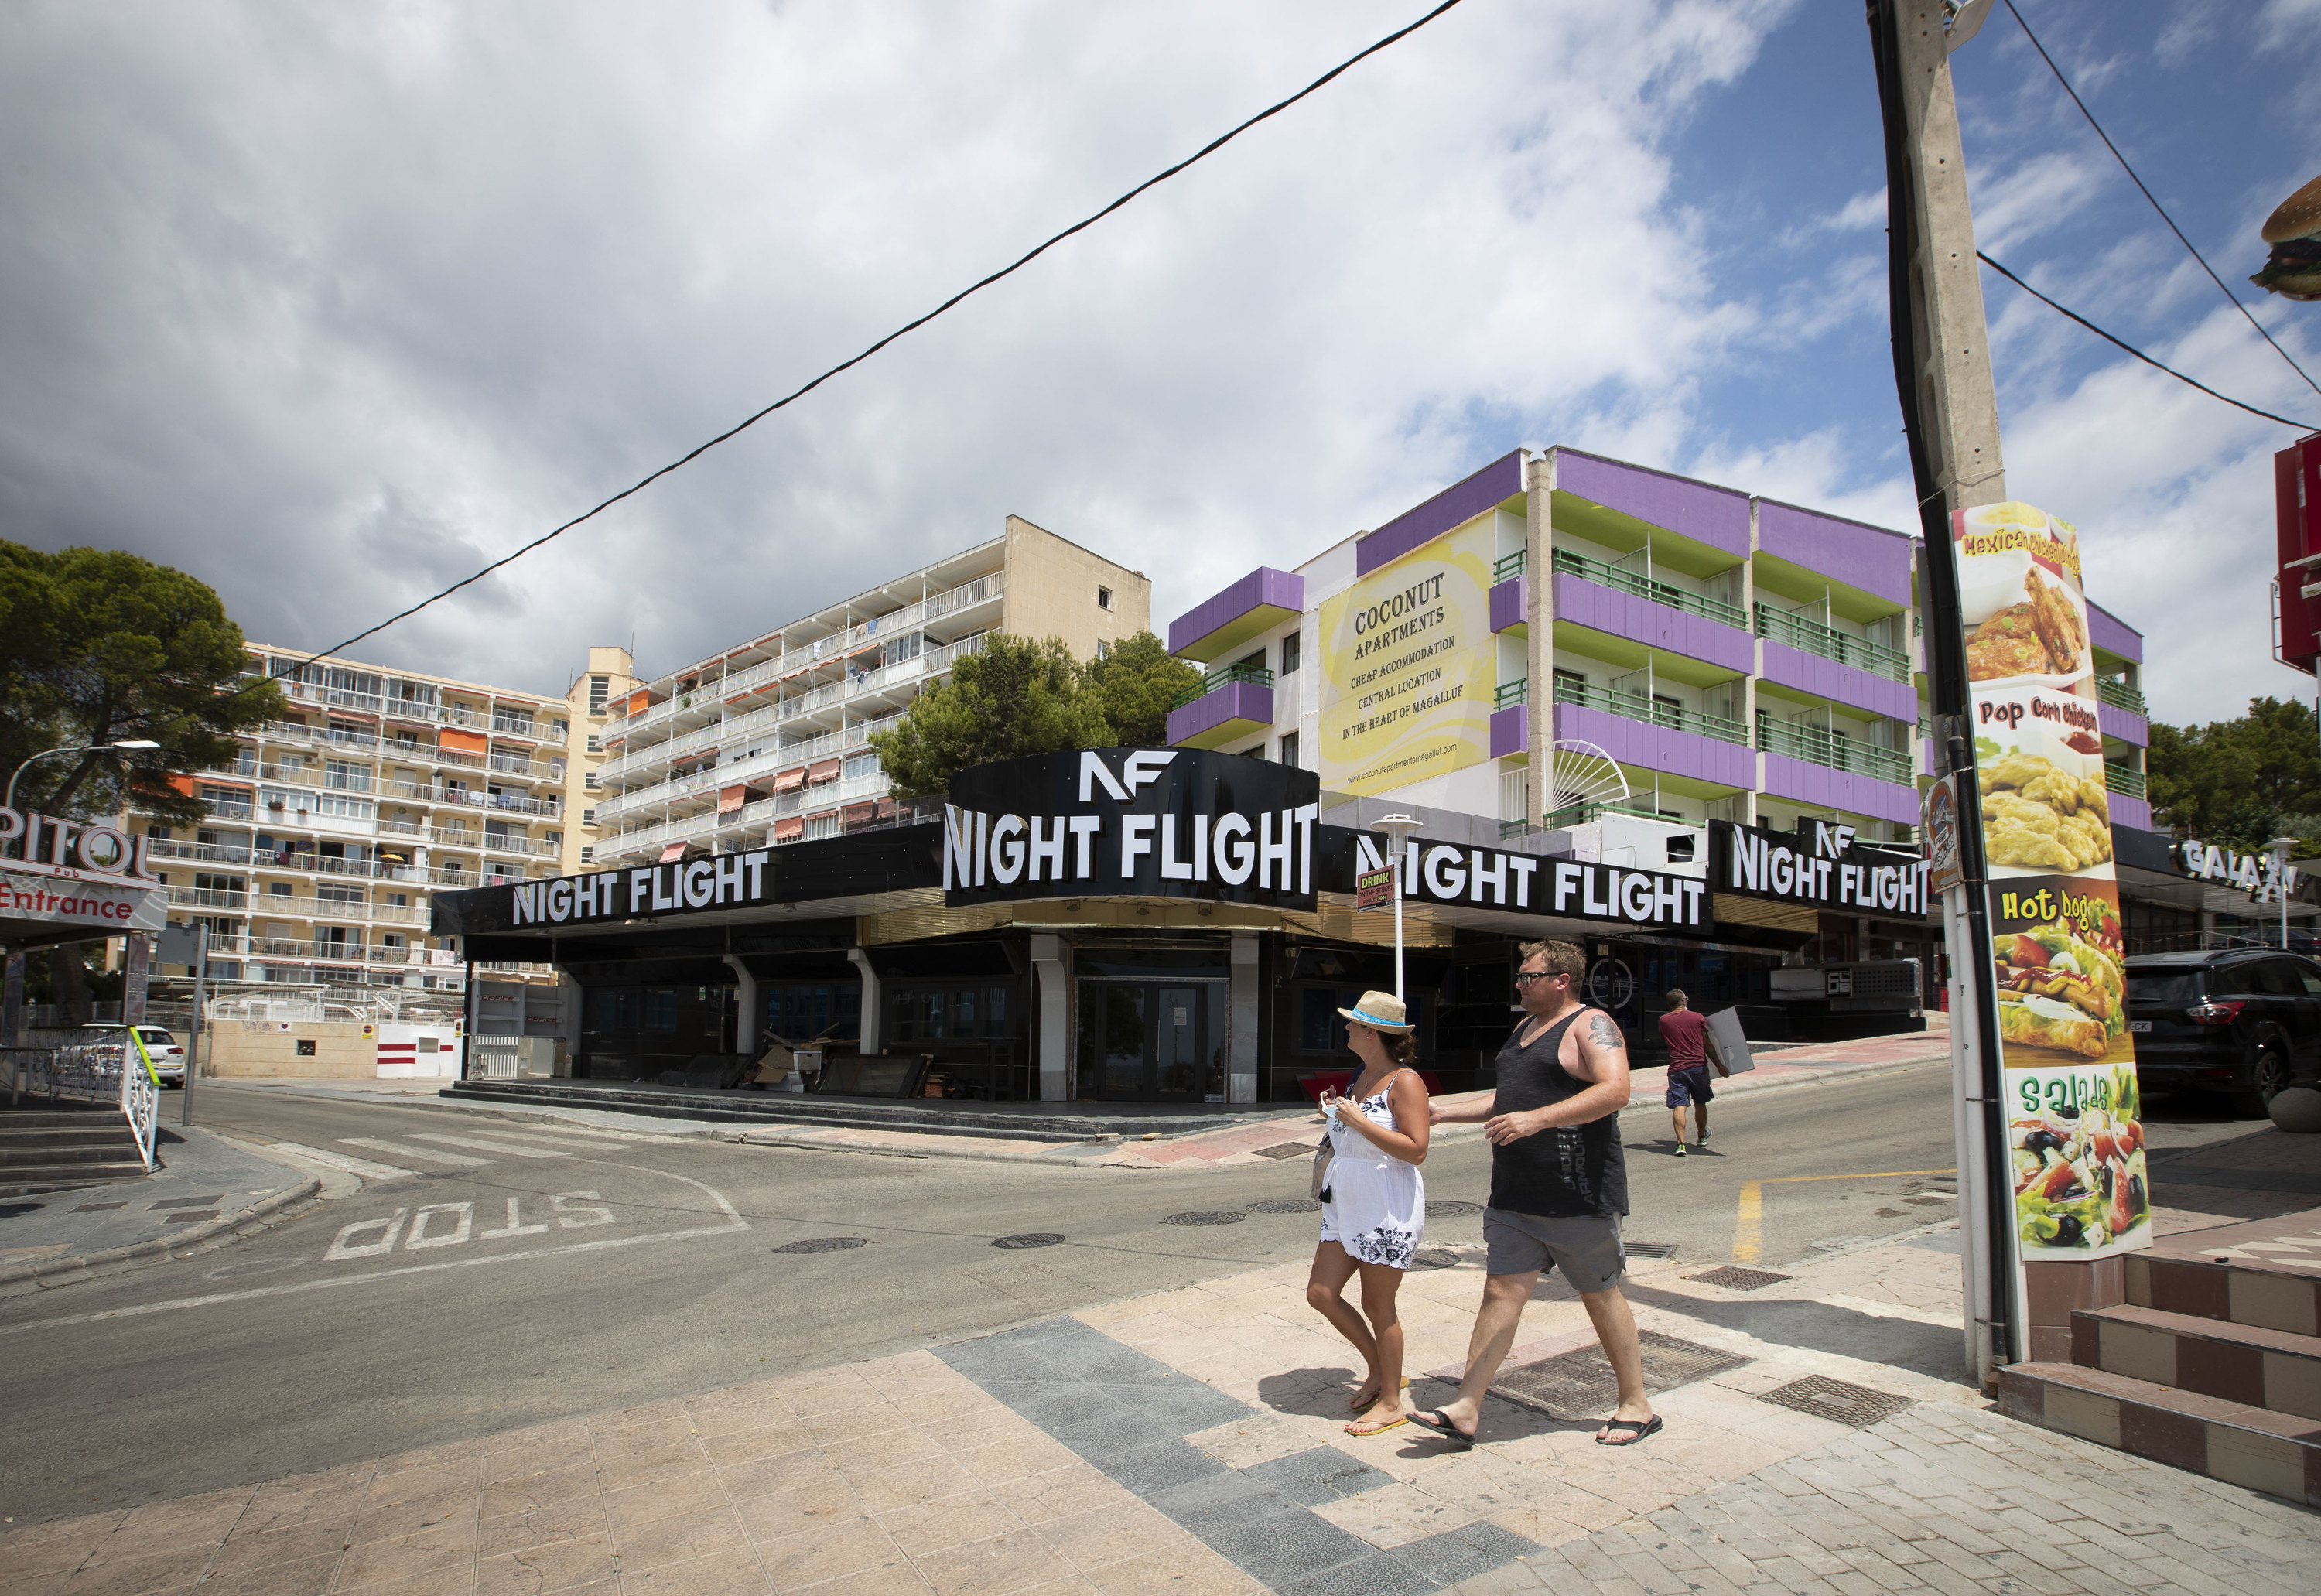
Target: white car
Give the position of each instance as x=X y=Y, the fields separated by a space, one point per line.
x=168 y=1058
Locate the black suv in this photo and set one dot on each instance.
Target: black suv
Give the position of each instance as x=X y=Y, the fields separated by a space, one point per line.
x=2245 y=1022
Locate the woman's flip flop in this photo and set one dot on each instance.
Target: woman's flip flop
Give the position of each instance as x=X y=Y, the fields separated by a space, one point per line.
x=1378 y=1429
x=1439 y=1423
x=1361 y=1407
x=1638 y=1429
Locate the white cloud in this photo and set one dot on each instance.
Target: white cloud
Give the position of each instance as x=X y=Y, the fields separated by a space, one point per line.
x=2019 y=202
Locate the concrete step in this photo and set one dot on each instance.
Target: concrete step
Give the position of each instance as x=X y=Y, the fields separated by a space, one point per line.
x=32 y=1179
x=30 y=1121
x=2271 y=1293
x=2249 y=1364
x=109 y=1150
x=2245 y=1446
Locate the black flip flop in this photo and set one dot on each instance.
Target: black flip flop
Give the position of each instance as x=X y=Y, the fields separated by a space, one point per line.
x=1437 y=1421
x=1637 y=1431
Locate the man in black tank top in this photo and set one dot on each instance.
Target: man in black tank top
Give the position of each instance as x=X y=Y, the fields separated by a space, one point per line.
x=1558 y=1188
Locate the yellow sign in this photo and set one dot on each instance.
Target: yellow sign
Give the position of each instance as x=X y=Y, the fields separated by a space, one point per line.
x=1410 y=668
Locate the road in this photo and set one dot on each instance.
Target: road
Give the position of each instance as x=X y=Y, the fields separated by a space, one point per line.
x=493 y=1272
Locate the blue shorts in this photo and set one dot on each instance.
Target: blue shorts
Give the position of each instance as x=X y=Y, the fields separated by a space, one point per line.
x=1690 y=1086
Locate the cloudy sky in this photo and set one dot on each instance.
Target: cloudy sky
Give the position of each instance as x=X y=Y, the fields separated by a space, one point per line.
x=329 y=305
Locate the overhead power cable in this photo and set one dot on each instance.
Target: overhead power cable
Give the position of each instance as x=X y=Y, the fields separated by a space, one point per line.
x=2139 y=354
x=2156 y=205
x=1202 y=153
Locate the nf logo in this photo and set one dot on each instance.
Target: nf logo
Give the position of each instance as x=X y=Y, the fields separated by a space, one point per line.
x=1831 y=842
x=1141 y=767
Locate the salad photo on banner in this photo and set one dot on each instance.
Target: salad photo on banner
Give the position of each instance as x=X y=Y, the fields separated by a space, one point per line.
x=2075 y=1137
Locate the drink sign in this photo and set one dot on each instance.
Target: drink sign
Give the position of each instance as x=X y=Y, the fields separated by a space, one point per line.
x=1374 y=889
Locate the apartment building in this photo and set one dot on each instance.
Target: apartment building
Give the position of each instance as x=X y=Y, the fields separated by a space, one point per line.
x=767 y=741
x=332 y=828
x=596 y=696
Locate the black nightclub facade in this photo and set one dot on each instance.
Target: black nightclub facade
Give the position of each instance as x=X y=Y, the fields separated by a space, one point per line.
x=1159 y=925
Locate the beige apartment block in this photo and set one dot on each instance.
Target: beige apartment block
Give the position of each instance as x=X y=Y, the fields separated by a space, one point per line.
x=766 y=742
x=595 y=696
x=332 y=828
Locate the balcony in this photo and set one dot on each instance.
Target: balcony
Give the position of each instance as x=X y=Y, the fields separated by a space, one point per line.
x=1829 y=770
x=1508 y=567
x=1587 y=814
x=1659 y=614
x=1833 y=751
x=2125 y=779
x=1224 y=622
x=1637 y=730
x=2119 y=695
x=1639 y=586
x=1651 y=711
x=211 y=898
x=1229 y=703
x=1778 y=625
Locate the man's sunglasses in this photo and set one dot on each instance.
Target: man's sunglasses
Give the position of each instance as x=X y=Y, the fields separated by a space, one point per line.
x=1525 y=978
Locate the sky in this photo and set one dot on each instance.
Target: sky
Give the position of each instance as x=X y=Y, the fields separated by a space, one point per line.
x=332 y=305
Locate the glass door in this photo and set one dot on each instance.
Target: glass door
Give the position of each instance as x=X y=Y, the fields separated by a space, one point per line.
x=1153 y=1042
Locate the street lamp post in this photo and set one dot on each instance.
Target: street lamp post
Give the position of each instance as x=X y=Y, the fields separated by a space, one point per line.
x=134 y=745
x=1399 y=829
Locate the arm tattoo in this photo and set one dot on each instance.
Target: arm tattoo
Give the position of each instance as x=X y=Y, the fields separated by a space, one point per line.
x=1604 y=1034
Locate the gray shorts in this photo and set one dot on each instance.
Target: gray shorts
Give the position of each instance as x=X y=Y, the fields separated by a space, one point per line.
x=1585 y=1247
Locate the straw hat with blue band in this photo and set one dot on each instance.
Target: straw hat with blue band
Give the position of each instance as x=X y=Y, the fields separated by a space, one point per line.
x=1381 y=1011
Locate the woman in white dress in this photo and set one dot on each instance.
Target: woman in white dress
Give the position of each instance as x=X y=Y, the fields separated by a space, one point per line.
x=1374 y=1205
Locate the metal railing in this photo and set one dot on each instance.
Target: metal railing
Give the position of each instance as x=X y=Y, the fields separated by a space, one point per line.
x=109 y=1069
x=1583 y=814
x=1512 y=693
x=1781 y=626
x=1254 y=675
x=2125 y=779
x=1570 y=563
x=1833 y=751
x=2119 y=695
x=1507 y=568
x=1651 y=711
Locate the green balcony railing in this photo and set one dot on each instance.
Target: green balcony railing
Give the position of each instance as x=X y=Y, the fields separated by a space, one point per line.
x=1781 y=626
x=1255 y=675
x=1651 y=711
x=2125 y=779
x=1512 y=693
x=1644 y=587
x=1833 y=751
x=2116 y=693
x=1581 y=814
x=1508 y=567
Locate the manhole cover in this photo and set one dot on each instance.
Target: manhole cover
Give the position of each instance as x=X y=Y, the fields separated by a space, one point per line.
x=1433 y=1258
x=1733 y=1278
x=1825 y=1398
x=1578 y=1384
x=1030 y=1238
x=1453 y=1211
x=826 y=1244
x=1649 y=1249
x=255 y=1266
x=1286 y=1204
x=1207 y=1216
x=1287 y=1150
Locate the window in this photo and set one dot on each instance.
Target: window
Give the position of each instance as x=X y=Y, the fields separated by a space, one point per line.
x=588 y=854
x=1569 y=681
x=1667 y=711
x=562 y=728
x=1289 y=749
x=587 y=817
x=589 y=780
x=861 y=764
x=596 y=744
x=1292 y=648
x=329 y=893
x=349 y=777
x=1104 y=599
x=159 y=834
x=1103 y=648
x=1256 y=659
x=277 y=889
x=600 y=687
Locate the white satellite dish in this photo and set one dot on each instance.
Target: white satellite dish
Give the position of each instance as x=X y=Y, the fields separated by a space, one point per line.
x=1581 y=778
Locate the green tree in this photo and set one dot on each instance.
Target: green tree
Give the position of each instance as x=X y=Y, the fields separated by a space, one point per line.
x=1136 y=684
x=1011 y=698
x=2241 y=782
x=97 y=646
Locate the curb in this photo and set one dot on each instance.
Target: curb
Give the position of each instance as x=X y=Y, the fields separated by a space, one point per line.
x=22 y=1279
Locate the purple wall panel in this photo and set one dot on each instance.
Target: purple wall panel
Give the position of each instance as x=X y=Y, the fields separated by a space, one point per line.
x=1509 y=732
x=1861 y=556
x=1264 y=586
x=1715 y=515
x=1864 y=689
x=1802 y=781
x=2125 y=724
x=2114 y=635
x=1460 y=502
x=1624 y=615
x=2130 y=812
x=1511 y=602
x=1234 y=701
x=1657 y=748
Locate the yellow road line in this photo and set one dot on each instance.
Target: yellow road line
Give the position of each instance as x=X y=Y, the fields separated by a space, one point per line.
x=1749 y=1216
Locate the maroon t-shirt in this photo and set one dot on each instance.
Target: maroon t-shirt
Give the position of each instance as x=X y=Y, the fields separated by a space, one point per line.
x=1686 y=1034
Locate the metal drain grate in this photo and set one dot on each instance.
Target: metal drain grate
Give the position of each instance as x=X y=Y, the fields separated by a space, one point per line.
x=1207 y=1216
x=1287 y=1150
x=1453 y=1211
x=1649 y=1249
x=1733 y=1278
x=1286 y=1204
x=1578 y=1384
x=1433 y=1258
x=826 y=1244
x=1834 y=1399
x=1030 y=1238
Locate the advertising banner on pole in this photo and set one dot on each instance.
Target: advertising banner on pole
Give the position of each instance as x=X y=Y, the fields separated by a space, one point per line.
x=1410 y=668
x=2075 y=1139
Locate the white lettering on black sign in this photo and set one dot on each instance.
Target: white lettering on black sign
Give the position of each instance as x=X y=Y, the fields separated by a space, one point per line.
x=728 y=881
x=1569 y=889
x=1821 y=865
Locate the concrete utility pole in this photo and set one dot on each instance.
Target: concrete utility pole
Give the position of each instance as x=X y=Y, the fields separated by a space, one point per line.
x=1950 y=408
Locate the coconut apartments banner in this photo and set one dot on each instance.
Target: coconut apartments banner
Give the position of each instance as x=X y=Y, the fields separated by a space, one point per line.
x=2074 y=1130
x=1410 y=668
